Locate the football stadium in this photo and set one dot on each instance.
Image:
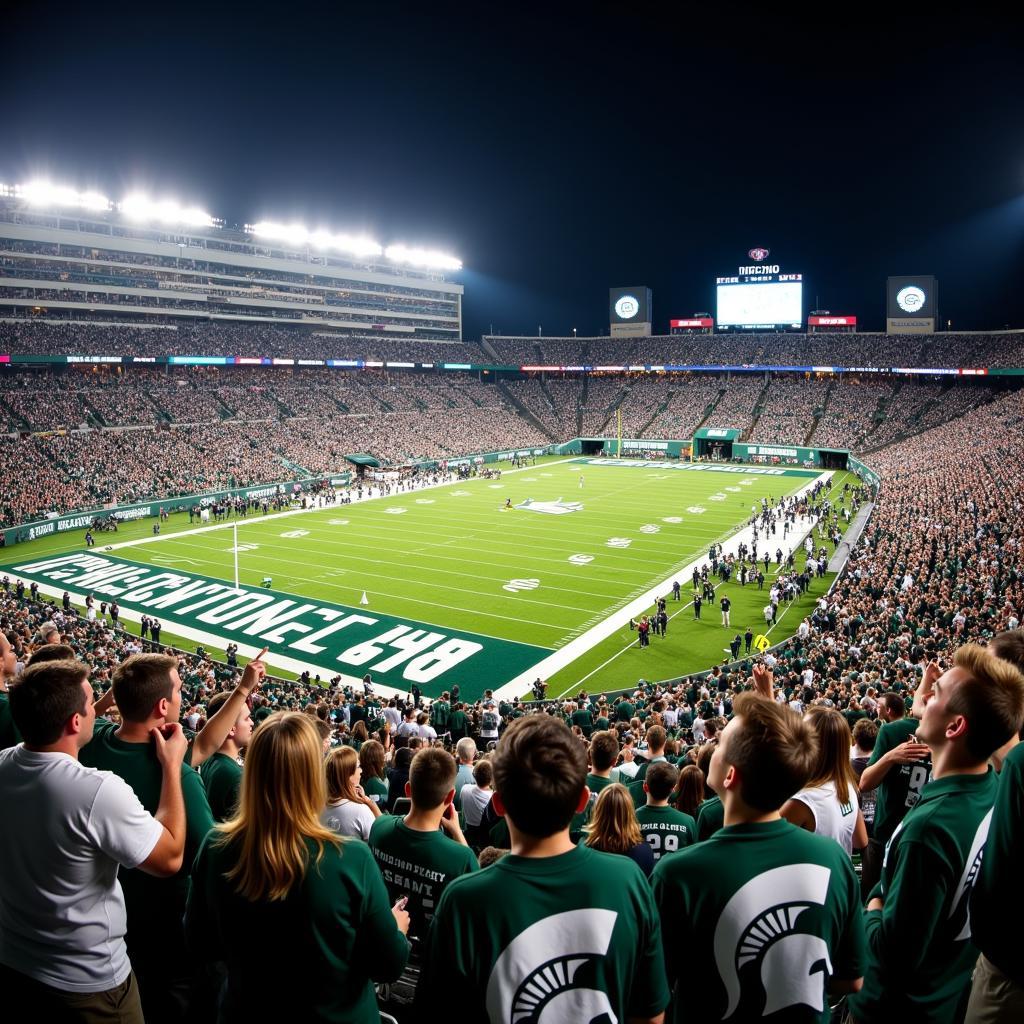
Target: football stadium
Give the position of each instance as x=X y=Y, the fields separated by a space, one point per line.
x=359 y=657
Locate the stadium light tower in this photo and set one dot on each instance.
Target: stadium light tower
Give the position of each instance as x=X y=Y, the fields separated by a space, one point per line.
x=166 y=211
x=45 y=193
x=429 y=258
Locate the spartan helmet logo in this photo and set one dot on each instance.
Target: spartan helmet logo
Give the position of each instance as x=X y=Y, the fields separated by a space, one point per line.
x=961 y=900
x=532 y=982
x=760 y=922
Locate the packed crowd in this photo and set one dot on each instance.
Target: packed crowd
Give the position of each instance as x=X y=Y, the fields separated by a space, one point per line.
x=390 y=849
x=995 y=348
x=251 y=340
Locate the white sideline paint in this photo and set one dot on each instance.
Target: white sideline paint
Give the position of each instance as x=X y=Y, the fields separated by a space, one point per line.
x=564 y=656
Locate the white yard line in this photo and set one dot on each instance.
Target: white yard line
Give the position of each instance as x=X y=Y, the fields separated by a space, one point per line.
x=370 y=496
x=564 y=656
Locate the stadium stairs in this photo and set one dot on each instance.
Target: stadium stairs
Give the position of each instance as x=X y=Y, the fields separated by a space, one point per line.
x=709 y=411
x=642 y=432
x=759 y=405
x=524 y=412
x=819 y=412
x=620 y=398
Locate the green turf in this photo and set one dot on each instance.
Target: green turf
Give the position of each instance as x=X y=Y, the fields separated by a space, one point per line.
x=444 y=562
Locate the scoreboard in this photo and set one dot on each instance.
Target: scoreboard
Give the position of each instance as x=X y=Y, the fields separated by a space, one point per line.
x=759 y=296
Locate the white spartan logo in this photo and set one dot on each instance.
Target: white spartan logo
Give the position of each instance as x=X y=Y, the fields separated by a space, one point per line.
x=532 y=982
x=759 y=923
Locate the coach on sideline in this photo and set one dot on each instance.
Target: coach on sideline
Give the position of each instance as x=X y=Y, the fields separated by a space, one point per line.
x=66 y=830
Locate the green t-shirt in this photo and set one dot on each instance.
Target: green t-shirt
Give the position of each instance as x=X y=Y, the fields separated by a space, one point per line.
x=457 y=723
x=920 y=954
x=752 y=918
x=154 y=905
x=595 y=783
x=901 y=787
x=440 y=712
x=575 y=936
x=624 y=711
x=997 y=902
x=581 y=717
x=222 y=777
x=335 y=931
x=376 y=789
x=665 y=829
x=418 y=865
x=9 y=735
x=710 y=818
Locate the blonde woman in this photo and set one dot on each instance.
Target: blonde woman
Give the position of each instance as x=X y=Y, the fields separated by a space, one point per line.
x=613 y=828
x=349 y=811
x=273 y=889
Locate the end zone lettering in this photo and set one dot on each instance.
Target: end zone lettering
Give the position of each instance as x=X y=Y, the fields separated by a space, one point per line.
x=330 y=637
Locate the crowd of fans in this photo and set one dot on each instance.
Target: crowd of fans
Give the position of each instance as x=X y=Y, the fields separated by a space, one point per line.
x=468 y=846
x=989 y=348
x=943 y=350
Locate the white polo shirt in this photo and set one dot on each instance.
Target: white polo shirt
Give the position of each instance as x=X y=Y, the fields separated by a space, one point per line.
x=65 y=830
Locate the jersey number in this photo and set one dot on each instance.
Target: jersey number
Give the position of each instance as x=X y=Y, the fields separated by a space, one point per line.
x=671 y=843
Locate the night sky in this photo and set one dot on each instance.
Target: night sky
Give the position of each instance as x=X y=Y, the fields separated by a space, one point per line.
x=557 y=154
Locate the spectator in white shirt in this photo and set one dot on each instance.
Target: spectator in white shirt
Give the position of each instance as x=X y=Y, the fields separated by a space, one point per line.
x=66 y=830
x=349 y=811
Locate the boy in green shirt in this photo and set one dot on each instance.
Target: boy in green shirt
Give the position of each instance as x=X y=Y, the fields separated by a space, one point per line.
x=918 y=924
x=551 y=931
x=222 y=773
x=664 y=828
x=418 y=855
x=763 y=919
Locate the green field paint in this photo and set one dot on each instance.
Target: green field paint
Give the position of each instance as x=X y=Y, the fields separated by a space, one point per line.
x=337 y=639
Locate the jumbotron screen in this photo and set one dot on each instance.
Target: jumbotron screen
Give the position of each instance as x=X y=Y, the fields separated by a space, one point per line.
x=772 y=301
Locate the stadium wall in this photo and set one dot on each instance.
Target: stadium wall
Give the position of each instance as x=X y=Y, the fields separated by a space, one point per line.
x=127 y=513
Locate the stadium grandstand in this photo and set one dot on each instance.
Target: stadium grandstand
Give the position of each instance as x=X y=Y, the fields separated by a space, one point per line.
x=147 y=262
x=378 y=472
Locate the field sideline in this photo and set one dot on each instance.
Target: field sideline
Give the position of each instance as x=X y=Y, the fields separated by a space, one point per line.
x=458 y=588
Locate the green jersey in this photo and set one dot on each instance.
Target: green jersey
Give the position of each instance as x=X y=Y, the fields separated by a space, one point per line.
x=376 y=789
x=335 y=930
x=901 y=787
x=154 y=905
x=573 y=937
x=624 y=711
x=440 y=712
x=418 y=865
x=997 y=902
x=581 y=717
x=222 y=777
x=457 y=724
x=920 y=954
x=595 y=783
x=9 y=735
x=665 y=829
x=756 y=920
x=710 y=818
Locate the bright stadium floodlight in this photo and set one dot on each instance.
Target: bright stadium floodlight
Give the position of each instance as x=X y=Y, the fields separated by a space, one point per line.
x=422 y=258
x=297 y=234
x=45 y=193
x=166 y=211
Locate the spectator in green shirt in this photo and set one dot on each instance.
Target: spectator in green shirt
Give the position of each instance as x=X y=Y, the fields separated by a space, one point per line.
x=222 y=773
x=763 y=919
x=918 y=924
x=997 y=902
x=274 y=882
x=551 y=928
x=147 y=691
x=9 y=735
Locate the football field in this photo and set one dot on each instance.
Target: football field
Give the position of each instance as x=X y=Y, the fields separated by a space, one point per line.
x=458 y=588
